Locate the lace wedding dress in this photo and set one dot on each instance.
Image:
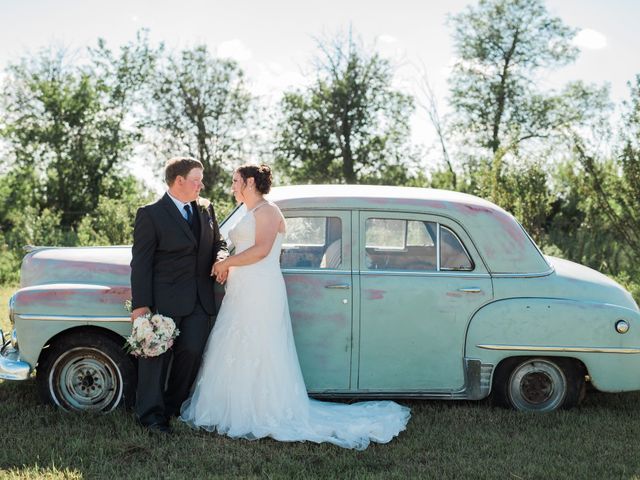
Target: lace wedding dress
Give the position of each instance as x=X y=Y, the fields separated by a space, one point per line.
x=250 y=384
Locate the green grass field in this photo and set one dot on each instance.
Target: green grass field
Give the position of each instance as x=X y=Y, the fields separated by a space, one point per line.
x=444 y=440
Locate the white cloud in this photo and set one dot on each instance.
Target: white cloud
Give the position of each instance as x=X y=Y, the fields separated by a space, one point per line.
x=271 y=79
x=387 y=39
x=234 y=49
x=391 y=48
x=590 y=39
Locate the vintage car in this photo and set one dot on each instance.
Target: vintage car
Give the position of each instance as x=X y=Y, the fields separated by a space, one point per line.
x=394 y=293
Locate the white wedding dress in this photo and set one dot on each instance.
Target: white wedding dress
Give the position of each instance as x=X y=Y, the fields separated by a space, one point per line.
x=250 y=384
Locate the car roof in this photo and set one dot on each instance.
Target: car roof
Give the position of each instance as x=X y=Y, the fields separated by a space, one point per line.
x=503 y=244
x=374 y=194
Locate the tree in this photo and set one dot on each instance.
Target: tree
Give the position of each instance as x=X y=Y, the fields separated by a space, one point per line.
x=501 y=46
x=201 y=108
x=349 y=126
x=595 y=218
x=577 y=226
x=615 y=185
x=441 y=177
x=507 y=124
x=111 y=223
x=67 y=125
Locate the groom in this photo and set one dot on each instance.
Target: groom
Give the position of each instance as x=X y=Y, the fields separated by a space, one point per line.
x=176 y=240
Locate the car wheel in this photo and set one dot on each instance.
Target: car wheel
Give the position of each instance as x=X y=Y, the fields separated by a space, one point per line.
x=87 y=372
x=538 y=384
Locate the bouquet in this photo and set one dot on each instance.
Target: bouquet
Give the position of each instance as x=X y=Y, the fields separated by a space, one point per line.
x=151 y=335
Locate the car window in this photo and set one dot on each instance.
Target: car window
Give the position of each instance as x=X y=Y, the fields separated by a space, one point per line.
x=396 y=244
x=312 y=242
x=407 y=244
x=385 y=233
x=453 y=255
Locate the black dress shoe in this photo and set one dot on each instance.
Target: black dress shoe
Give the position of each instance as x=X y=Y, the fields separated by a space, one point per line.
x=162 y=428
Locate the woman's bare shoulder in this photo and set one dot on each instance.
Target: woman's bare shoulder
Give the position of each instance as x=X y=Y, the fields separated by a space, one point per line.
x=268 y=209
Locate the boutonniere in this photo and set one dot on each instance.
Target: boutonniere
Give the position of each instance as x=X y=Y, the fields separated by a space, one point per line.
x=203 y=205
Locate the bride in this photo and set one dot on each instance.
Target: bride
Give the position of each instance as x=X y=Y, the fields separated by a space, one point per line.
x=250 y=384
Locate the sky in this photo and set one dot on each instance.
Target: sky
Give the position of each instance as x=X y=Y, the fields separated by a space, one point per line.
x=275 y=40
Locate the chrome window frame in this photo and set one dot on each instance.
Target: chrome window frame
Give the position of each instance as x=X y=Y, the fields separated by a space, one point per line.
x=466 y=252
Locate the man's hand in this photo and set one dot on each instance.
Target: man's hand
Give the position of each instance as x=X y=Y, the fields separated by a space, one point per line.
x=137 y=312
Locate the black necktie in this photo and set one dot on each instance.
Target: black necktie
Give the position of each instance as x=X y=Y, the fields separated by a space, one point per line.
x=187 y=208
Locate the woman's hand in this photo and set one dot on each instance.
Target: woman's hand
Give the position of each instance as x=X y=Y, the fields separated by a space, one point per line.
x=220 y=270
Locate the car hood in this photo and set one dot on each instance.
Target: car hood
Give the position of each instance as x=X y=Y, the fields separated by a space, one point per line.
x=78 y=265
x=572 y=280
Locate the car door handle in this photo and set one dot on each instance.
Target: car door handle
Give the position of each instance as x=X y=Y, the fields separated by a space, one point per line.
x=339 y=286
x=470 y=290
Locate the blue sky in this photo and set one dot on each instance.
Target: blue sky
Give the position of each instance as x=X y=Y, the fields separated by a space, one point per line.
x=275 y=40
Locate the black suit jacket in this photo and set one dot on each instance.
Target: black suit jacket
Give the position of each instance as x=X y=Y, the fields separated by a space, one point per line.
x=170 y=268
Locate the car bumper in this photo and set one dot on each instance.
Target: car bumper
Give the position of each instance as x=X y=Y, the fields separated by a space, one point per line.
x=11 y=367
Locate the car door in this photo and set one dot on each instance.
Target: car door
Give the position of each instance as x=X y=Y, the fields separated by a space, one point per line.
x=420 y=280
x=316 y=264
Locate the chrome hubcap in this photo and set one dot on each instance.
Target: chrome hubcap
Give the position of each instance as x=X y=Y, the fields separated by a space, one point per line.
x=86 y=379
x=537 y=385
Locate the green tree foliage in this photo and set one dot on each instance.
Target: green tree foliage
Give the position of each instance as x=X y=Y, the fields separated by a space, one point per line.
x=349 y=126
x=577 y=226
x=501 y=46
x=67 y=125
x=111 y=223
x=614 y=185
x=201 y=108
x=510 y=129
x=9 y=264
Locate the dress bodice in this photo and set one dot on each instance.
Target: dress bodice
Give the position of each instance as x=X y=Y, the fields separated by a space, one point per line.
x=243 y=236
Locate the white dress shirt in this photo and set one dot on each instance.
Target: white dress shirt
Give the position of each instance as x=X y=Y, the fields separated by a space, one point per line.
x=180 y=205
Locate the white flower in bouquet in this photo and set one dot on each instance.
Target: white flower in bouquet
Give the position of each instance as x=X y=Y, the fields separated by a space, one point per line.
x=151 y=335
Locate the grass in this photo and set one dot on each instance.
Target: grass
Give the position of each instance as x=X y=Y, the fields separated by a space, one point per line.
x=444 y=440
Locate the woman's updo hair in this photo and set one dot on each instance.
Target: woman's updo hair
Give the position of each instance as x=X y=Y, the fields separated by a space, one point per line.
x=261 y=175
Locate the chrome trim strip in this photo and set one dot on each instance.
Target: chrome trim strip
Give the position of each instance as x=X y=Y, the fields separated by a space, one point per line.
x=75 y=318
x=524 y=275
x=430 y=273
x=438 y=246
x=317 y=271
x=340 y=286
x=390 y=394
x=413 y=273
x=537 y=348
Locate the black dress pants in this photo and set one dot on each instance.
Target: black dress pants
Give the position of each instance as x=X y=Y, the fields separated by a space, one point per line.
x=154 y=402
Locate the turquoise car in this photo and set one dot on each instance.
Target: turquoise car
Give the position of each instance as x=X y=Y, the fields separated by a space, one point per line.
x=394 y=293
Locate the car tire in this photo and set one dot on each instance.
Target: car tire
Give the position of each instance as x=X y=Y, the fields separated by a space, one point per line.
x=86 y=372
x=538 y=384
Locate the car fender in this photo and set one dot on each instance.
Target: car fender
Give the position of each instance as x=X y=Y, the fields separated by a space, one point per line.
x=551 y=327
x=41 y=312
